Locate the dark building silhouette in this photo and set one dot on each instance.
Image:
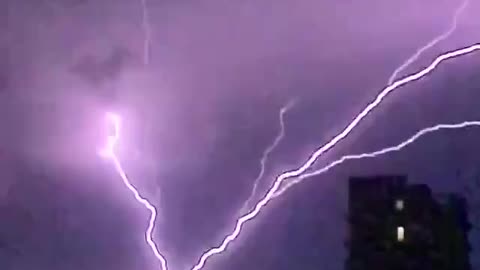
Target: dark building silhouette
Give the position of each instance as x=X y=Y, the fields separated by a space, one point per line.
x=397 y=226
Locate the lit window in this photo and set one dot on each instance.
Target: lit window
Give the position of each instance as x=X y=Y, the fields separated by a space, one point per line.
x=400 y=234
x=399 y=205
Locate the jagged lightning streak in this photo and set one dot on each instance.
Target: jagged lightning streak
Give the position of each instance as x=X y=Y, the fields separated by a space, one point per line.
x=109 y=152
x=294 y=173
x=432 y=43
x=266 y=153
x=392 y=78
x=146 y=32
x=383 y=151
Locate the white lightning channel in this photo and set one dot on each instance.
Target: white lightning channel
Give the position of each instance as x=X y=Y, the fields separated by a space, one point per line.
x=146 y=32
x=266 y=153
x=109 y=152
x=431 y=44
x=294 y=173
x=383 y=151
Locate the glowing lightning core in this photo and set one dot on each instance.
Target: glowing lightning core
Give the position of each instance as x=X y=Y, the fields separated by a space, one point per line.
x=294 y=173
x=109 y=152
x=383 y=151
x=432 y=43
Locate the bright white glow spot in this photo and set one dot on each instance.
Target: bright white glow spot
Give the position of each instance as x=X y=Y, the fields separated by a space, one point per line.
x=114 y=121
x=115 y=118
x=400 y=234
x=399 y=205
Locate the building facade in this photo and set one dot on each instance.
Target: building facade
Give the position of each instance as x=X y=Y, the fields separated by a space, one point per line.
x=397 y=226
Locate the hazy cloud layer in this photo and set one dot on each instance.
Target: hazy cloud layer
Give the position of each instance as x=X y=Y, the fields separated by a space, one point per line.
x=197 y=119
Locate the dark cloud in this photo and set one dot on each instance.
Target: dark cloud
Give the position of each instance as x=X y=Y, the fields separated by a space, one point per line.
x=100 y=70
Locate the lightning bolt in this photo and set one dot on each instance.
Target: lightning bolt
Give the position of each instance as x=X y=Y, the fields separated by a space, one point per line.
x=294 y=173
x=109 y=152
x=383 y=151
x=267 y=152
x=432 y=43
x=146 y=31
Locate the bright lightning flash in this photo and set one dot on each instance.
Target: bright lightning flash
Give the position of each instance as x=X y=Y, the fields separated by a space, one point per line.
x=383 y=151
x=295 y=173
x=109 y=152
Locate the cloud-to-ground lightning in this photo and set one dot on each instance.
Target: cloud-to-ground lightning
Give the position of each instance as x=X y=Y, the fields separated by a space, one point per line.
x=432 y=43
x=109 y=152
x=392 y=78
x=294 y=173
x=383 y=151
x=267 y=152
x=146 y=32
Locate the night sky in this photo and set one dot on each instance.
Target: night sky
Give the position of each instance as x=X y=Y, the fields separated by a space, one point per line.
x=197 y=118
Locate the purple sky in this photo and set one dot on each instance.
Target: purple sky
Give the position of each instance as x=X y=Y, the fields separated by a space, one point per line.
x=198 y=117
